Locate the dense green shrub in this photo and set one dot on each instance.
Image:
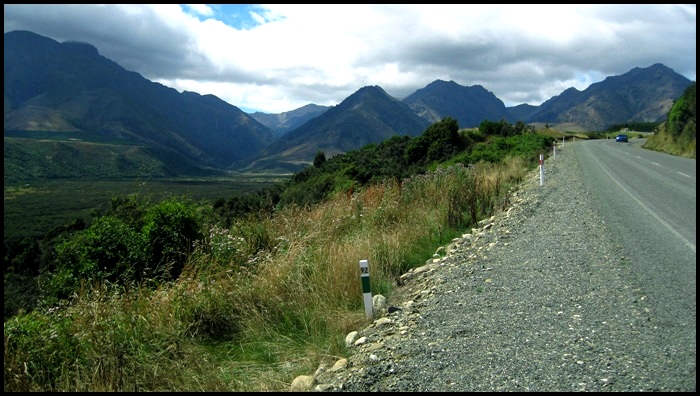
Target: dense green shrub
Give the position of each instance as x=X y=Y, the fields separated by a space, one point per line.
x=259 y=203
x=475 y=135
x=683 y=115
x=130 y=209
x=170 y=231
x=110 y=250
x=677 y=135
x=118 y=252
x=438 y=143
x=497 y=147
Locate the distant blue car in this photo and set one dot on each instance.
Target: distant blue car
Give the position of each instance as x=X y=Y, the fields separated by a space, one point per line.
x=621 y=138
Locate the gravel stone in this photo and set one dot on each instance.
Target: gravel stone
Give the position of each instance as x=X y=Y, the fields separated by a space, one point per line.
x=536 y=299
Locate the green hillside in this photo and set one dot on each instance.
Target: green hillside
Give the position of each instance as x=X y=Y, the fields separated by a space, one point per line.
x=677 y=135
x=37 y=155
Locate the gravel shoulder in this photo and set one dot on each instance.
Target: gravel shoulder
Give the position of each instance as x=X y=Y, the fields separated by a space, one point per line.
x=539 y=298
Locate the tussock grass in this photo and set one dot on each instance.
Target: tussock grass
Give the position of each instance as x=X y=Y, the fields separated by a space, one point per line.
x=259 y=303
x=665 y=143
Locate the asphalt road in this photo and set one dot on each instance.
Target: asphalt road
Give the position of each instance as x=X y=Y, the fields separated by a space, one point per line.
x=648 y=200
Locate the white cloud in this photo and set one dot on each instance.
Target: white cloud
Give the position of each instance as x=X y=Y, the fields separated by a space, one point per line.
x=276 y=58
x=200 y=9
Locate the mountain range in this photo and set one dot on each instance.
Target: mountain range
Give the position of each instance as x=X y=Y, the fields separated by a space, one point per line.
x=69 y=87
x=370 y=115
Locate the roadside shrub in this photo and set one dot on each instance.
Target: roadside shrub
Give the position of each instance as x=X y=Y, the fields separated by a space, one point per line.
x=109 y=250
x=476 y=135
x=438 y=143
x=117 y=252
x=170 y=231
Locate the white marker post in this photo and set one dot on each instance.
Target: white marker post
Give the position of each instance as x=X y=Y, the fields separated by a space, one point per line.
x=366 y=292
x=554 y=150
x=541 y=169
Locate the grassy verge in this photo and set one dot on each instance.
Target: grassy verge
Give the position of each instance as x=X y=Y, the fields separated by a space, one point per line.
x=258 y=303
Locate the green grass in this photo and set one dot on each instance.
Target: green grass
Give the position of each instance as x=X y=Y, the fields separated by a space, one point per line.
x=252 y=321
x=665 y=143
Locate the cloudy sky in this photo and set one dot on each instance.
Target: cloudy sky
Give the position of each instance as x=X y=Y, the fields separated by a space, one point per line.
x=277 y=58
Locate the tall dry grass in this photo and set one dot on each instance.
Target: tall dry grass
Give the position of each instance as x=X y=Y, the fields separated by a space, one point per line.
x=261 y=302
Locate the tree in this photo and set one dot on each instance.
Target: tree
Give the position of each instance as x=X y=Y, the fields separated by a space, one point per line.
x=170 y=230
x=319 y=159
x=110 y=250
x=437 y=143
x=682 y=117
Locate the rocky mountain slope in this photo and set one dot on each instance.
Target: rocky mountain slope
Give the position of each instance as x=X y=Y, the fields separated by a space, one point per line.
x=51 y=86
x=370 y=115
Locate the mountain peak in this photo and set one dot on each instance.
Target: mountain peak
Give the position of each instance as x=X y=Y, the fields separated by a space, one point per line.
x=81 y=47
x=468 y=105
x=370 y=89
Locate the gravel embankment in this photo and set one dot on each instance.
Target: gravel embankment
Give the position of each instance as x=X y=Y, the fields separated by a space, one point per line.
x=536 y=299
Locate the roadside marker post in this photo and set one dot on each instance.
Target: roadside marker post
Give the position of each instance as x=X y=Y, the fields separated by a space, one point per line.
x=554 y=152
x=366 y=292
x=541 y=169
